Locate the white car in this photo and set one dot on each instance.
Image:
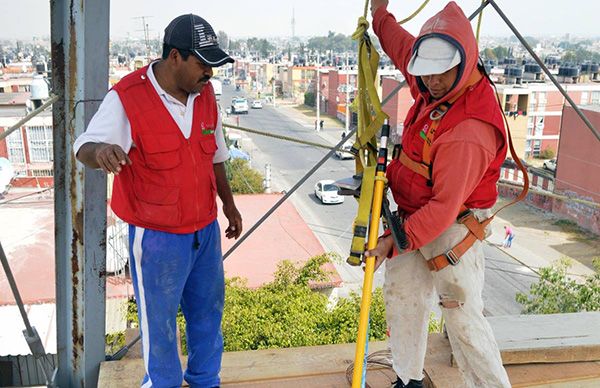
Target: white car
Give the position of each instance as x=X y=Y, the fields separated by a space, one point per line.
x=327 y=192
x=344 y=152
x=257 y=104
x=550 y=165
x=239 y=105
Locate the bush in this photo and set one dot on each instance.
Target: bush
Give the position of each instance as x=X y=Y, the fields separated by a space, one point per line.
x=556 y=293
x=309 y=99
x=243 y=179
x=547 y=153
x=288 y=313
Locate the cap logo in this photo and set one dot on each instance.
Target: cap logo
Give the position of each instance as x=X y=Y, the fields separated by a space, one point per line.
x=204 y=37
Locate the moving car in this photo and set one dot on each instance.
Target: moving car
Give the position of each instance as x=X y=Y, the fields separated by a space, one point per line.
x=550 y=165
x=257 y=104
x=239 y=105
x=344 y=152
x=327 y=192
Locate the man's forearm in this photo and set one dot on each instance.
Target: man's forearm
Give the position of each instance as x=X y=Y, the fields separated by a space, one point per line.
x=223 y=188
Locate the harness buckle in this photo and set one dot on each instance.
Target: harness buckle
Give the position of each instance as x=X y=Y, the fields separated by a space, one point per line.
x=452 y=257
x=462 y=217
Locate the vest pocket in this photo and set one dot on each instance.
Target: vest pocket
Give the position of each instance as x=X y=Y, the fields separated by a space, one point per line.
x=208 y=147
x=161 y=151
x=157 y=205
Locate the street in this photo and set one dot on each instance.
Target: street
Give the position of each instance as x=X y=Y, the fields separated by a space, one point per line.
x=332 y=223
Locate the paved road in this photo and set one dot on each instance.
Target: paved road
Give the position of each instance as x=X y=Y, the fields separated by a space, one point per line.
x=332 y=223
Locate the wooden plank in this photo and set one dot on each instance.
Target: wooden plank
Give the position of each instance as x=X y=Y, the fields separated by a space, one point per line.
x=525 y=339
x=285 y=363
x=252 y=366
x=441 y=374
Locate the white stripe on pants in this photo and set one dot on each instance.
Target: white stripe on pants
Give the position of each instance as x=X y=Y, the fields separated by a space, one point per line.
x=409 y=293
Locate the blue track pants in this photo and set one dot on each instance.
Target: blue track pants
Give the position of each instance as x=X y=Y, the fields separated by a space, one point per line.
x=169 y=270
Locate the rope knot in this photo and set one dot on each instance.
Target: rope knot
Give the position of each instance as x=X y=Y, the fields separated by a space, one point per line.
x=361 y=29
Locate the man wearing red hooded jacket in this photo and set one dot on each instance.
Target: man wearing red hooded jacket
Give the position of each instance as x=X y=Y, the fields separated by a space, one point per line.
x=453 y=145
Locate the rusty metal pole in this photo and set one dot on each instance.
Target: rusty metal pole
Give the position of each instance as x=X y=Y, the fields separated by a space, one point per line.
x=80 y=33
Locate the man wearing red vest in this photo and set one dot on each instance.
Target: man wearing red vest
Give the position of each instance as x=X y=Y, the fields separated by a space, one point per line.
x=444 y=181
x=159 y=132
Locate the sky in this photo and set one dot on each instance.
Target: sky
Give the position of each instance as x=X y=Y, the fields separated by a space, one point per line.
x=24 y=19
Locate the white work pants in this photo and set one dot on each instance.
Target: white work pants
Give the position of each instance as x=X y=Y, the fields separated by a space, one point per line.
x=410 y=289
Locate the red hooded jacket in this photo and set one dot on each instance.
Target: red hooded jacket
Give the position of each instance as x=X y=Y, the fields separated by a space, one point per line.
x=170 y=185
x=470 y=142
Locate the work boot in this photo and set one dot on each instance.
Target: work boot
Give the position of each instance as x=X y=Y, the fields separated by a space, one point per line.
x=411 y=384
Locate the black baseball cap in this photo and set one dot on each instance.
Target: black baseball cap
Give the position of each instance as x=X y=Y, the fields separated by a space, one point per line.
x=194 y=34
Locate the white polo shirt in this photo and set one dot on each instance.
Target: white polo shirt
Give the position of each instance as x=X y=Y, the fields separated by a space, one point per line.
x=110 y=123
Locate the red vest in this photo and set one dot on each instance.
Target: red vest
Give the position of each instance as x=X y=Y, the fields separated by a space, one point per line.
x=170 y=185
x=411 y=191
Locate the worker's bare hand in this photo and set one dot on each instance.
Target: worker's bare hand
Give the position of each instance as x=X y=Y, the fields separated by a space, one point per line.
x=381 y=251
x=378 y=3
x=234 y=230
x=111 y=158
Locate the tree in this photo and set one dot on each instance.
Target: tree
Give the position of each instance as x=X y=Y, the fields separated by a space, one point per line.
x=556 y=292
x=223 y=39
x=243 y=179
x=309 y=99
x=488 y=53
x=500 y=52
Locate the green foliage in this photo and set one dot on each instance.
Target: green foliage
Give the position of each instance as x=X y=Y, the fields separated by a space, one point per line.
x=332 y=42
x=500 y=52
x=555 y=292
x=114 y=341
x=261 y=46
x=288 y=313
x=309 y=99
x=547 y=153
x=243 y=179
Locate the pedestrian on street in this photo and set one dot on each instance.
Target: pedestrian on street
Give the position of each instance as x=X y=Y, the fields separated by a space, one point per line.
x=321 y=123
x=158 y=130
x=443 y=179
x=509 y=235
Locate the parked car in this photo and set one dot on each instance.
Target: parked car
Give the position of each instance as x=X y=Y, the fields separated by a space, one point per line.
x=239 y=105
x=344 y=152
x=550 y=165
x=327 y=192
x=510 y=163
x=226 y=81
x=257 y=104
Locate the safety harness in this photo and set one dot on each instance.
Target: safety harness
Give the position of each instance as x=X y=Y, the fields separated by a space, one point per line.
x=476 y=228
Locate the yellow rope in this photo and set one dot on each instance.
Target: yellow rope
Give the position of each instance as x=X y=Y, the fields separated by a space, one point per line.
x=479 y=23
x=414 y=13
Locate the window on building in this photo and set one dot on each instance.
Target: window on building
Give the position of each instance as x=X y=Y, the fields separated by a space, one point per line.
x=16 y=150
x=537 y=147
x=584 y=98
x=40 y=143
x=595 y=98
x=541 y=100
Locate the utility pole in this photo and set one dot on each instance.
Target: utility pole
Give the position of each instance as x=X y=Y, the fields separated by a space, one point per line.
x=318 y=100
x=146 y=31
x=347 y=129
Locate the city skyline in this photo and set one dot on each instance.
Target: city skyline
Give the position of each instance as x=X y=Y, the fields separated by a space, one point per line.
x=312 y=17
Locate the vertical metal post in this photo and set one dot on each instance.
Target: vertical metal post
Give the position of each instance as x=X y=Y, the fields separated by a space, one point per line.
x=79 y=31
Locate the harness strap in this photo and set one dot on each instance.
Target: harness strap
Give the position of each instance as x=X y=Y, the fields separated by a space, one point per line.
x=476 y=232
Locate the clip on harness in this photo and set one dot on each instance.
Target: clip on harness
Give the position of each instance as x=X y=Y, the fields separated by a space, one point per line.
x=476 y=228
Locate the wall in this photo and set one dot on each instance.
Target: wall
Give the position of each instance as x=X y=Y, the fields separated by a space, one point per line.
x=578 y=163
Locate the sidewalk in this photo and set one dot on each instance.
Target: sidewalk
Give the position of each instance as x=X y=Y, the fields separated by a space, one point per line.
x=539 y=242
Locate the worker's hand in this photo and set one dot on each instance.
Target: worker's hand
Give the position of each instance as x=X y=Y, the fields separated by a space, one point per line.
x=111 y=158
x=234 y=230
x=381 y=251
x=378 y=3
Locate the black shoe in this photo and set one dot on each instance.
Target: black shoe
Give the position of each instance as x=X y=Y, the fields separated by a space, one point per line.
x=411 y=384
